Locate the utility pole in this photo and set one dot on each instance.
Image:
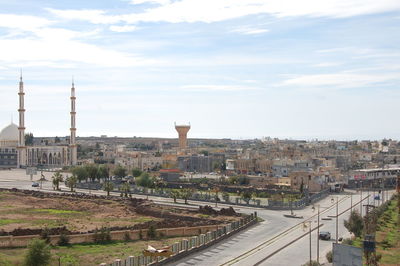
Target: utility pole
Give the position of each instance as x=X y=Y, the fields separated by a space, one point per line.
x=337 y=216
x=351 y=203
x=317 y=238
x=361 y=200
x=309 y=230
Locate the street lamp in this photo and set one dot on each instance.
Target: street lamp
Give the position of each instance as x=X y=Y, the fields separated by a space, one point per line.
x=309 y=232
x=337 y=216
x=361 y=198
x=313 y=208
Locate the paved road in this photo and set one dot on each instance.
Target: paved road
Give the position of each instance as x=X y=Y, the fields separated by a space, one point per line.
x=252 y=246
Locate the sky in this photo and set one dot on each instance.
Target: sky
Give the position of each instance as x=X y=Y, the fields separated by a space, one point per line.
x=231 y=68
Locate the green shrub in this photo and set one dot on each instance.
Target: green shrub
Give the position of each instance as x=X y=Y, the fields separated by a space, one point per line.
x=127 y=237
x=64 y=240
x=329 y=256
x=347 y=241
x=38 y=253
x=152 y=232
x=45 y=235
x=354 y=224
x=313 y=263
x=102 y=236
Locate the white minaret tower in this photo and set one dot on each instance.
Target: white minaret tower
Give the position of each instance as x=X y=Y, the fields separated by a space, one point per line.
x=21 y=128
x=72 y=142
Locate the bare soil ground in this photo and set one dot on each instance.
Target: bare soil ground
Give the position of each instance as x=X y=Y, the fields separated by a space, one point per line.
x=82 y=213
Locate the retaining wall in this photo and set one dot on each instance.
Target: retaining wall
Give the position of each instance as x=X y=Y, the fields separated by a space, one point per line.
x=23 y=241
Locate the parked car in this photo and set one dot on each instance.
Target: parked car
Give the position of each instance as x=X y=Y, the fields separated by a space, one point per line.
x=324 y=235
x=35 y=184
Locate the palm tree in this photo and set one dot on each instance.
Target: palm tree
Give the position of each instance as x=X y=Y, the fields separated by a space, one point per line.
x=108 y=187
x=125 y=189
x=71 y=182
x=57 y=178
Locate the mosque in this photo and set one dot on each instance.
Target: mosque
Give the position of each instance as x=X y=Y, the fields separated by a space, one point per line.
x=15 y=154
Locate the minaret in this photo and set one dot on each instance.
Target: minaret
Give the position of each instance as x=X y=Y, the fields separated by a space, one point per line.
x=21 y=128
x=72 y=143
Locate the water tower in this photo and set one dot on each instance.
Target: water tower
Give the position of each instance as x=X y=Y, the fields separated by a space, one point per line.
x=182 y=132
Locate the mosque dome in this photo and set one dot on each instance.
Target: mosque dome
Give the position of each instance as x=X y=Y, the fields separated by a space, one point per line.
x=9 y=133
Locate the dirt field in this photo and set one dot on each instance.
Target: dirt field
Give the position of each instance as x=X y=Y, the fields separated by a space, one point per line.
x=37 y=210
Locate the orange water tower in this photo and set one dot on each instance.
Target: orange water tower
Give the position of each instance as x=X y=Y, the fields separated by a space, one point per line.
x=182 y=132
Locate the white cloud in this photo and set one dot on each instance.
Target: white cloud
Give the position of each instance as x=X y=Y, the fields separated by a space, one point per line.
x=218 y=10
x=125 y=28
x=340 y=80
x=92 y=15
x=21 y=22
x=217 y=88
x=327 y=64
x=250 y=30
x=53 y=45
x=160 y=2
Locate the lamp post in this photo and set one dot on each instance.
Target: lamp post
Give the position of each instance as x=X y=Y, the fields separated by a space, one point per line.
x=351 y=203
x=313 y=208
x=361 y=198
x=309 y=232
x=337 y=216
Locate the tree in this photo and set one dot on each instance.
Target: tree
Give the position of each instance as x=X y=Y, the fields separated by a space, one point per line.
x=103 y=172
x=136 y=172
x=108 y=187
x=354 y=224
x=125 y=189
x=64 y=240
x=204 y=152
x=216 y=191
x=329 y=256
x=186 y=193
x=302 y=187
x=57 y=140
x=246 y=196
x=144 y=180
x=225 y=196
x=71 y=182
x=92 y=171
x=119 y=171
x=152 y=232
x=239 y=180
x=79 y=172
x=38 y=253
x=57 y=178
x=174 y=193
